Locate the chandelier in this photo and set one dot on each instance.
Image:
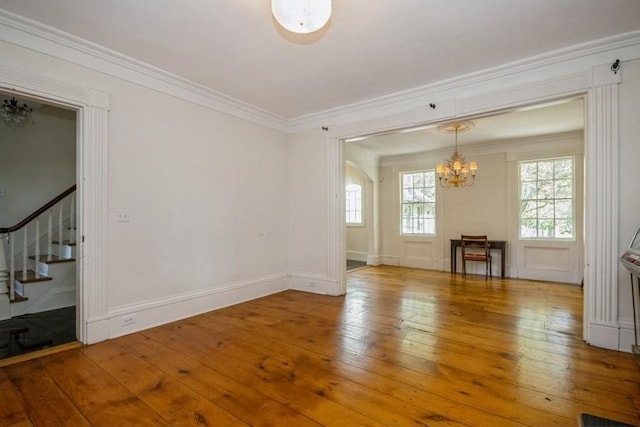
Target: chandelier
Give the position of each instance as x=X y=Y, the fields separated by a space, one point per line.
x=14 y=114
x=301 y=16
x=456 y=170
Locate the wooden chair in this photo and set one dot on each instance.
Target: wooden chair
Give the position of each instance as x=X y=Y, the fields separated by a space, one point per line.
x=476 y=248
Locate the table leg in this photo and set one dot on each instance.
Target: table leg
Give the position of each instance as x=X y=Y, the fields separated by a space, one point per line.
x=453 y=258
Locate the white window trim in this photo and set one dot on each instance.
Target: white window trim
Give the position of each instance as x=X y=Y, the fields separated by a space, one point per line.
x=400 y=205
x=530 y=159
x=361 y=223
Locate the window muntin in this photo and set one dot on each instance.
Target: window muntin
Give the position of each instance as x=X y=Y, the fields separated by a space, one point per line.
x=418 y=202
x=547 y=199
x=353 y=204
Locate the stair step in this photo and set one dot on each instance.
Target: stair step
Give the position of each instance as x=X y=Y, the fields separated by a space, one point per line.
x=64 y=242
x=54 y=259
x=31 y=277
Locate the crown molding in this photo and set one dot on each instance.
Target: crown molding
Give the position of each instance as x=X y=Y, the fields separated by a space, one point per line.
x=33 y=35
x=576 y=59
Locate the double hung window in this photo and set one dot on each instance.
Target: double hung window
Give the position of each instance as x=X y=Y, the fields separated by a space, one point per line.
x=418 y=202
x=547 y=199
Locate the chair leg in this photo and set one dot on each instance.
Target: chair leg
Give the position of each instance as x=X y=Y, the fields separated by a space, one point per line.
x=464 y=268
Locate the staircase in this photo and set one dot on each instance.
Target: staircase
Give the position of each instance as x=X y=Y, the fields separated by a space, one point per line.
x=34 y=280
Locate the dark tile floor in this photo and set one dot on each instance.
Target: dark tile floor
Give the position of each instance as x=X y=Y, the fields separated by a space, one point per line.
x=36 y=331
x=352 y=264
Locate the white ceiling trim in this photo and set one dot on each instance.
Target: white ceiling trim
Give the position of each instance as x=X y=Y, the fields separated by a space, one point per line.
x=500 y=76
x=42 y=38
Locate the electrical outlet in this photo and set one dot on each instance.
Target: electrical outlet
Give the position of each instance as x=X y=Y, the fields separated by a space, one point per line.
x=129 y=319
x=122 y=215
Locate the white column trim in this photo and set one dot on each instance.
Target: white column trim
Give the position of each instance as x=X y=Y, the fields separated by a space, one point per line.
x=601 y=326
x=93 y=186
x=336 y=236
x=599 y=85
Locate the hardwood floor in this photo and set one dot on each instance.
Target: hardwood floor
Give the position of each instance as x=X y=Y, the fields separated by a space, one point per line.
x=404 y=347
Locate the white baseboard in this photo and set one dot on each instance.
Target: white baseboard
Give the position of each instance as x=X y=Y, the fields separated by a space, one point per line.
x=158 y=312
x=314 y=284
x=604 y=336
x=374 y=260
x=390 y=260
x=627 y=335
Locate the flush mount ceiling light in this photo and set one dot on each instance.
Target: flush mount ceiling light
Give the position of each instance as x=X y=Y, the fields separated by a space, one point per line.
x=301 y=16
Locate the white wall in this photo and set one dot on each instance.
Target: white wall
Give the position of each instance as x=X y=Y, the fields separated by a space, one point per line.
x=307 y=190
x=629 y=175
x=299 y=229
x=358 y=234
x=573 y=72
x=488 y=207
x=37 y=162
x=480 y=209
x=206 y=193
x=366 y=164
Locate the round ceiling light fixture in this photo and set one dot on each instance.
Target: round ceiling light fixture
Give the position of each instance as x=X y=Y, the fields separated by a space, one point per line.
x=301 y=16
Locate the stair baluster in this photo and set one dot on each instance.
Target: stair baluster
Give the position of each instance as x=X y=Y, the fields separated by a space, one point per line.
x=24 y=252
x=50 y=236
x=37 y=257
x=72 y=220
x=23 y=225
x=60 y=233
x=12 y=268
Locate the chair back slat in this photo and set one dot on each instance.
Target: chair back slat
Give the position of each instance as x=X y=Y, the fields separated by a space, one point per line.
x=475 y=248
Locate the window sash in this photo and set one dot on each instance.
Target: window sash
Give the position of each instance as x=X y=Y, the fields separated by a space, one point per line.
x=547 y=199
x=353 y=204
x=418 y=202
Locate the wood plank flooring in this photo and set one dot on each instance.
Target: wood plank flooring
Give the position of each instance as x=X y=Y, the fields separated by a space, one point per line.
x=404 y=347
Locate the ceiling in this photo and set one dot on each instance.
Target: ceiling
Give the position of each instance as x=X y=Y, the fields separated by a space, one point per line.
x=370 y=48
x=561 y=116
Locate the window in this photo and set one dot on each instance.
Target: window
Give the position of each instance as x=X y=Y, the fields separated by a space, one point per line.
x=354 y=204
x=546 y=199
x=418 y=202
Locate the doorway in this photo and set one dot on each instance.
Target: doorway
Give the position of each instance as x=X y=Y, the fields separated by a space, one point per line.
x=360 y=216
x=38 y=214
x=498 y=142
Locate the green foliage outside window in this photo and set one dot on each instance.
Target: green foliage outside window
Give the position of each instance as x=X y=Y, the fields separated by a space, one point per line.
x=547 y=199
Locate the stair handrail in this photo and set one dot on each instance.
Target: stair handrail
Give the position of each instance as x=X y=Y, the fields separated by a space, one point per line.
x=39 y=211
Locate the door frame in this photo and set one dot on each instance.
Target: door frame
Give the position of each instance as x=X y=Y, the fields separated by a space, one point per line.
x=599 y=86
x=92 y=108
